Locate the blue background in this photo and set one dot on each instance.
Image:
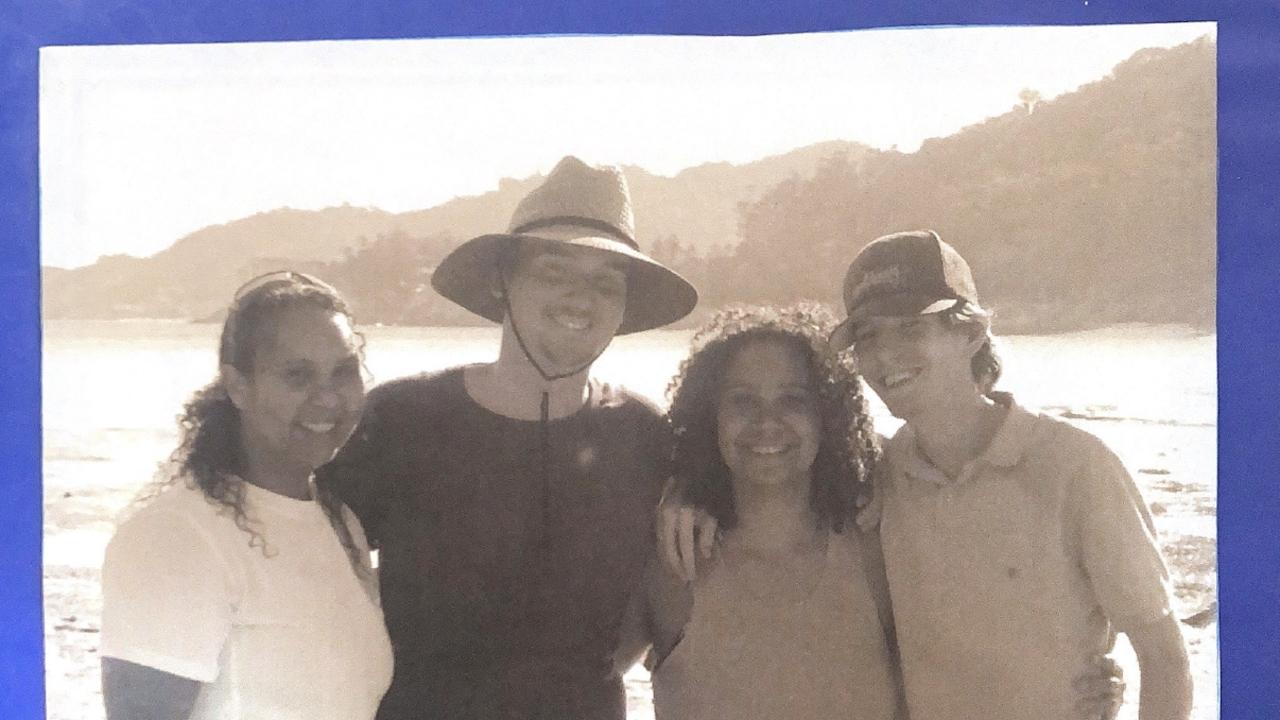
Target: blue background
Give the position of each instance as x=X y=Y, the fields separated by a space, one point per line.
x=1249 y=256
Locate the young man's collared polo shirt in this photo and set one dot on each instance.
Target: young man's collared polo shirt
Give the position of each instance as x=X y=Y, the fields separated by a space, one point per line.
x=1007 y=580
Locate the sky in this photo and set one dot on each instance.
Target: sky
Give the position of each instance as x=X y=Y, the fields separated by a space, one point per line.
x=141 y=145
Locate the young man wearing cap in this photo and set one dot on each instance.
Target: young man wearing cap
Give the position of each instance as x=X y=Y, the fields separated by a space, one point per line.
x=1016 y=545
x=512 y=502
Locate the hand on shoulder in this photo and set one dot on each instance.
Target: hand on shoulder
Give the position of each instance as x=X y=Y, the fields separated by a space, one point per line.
x=684 y=533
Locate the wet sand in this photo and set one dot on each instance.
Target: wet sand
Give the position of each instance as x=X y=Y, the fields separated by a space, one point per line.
x=1174 y=465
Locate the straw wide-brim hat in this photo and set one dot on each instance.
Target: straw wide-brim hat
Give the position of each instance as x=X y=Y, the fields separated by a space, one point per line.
x=576 y=205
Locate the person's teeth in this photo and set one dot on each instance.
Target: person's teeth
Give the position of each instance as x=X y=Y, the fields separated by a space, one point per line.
x=768 y=449
x=573 y=322
x=898 y=378
x=320 y=427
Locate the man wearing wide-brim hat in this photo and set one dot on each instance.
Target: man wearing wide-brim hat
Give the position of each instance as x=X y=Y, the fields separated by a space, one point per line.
x=512 y=501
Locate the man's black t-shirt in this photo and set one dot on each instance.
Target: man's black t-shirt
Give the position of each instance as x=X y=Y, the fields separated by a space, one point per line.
x=508 y=548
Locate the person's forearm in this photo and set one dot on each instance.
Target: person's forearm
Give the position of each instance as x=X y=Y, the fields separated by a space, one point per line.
x=1165 y=671
x=1165 y=698
x=137 y=692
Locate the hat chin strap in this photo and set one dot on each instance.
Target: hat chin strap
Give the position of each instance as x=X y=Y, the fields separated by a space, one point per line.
x=541 y=540
x=515 y=330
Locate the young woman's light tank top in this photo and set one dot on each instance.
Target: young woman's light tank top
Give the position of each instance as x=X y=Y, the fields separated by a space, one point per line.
x=743 y=658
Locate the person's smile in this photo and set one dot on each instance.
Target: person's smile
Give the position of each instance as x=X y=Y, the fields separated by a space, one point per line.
x=572 y=319
x=767 y=419
x=898 y=379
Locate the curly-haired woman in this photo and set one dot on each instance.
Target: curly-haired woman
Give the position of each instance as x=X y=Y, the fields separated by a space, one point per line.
x=237 y=589
x=789 y=618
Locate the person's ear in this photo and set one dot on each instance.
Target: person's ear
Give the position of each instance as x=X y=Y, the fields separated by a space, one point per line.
x=236 y=384
x=500 y=273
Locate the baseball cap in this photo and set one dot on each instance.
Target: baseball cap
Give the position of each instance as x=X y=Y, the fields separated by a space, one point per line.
x=906 y=273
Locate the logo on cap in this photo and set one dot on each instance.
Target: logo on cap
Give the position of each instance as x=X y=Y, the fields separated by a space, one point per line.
x=889 y=278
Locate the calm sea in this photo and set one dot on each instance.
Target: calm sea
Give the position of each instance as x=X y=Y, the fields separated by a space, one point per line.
x=112 y=388
x=111 y=381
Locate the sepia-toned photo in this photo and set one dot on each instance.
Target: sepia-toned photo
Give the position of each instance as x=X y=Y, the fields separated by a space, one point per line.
x=862 y=374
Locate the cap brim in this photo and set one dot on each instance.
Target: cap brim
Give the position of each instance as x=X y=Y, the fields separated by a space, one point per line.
x=656 y=294
x=842 y=336
x=897 y=305
x=902 y=305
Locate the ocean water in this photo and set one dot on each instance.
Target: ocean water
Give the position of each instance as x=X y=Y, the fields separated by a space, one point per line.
x=112 y=390
x=112 y=381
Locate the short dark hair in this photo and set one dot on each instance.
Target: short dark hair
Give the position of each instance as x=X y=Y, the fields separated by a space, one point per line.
x=848 y=448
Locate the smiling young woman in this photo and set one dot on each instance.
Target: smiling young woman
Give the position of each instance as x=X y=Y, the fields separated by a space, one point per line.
x=767 y=422
x=237 y=588
x=790 y=617
x=300 y=398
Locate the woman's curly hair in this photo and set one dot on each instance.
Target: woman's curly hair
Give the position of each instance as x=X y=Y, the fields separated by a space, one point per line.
x=210 y=455
x=848 y=448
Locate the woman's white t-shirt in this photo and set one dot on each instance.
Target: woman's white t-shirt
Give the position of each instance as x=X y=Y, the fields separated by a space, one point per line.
x=281 y=632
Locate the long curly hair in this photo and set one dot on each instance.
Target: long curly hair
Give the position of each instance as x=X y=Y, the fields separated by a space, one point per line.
x=210 y=455
x=848 y=448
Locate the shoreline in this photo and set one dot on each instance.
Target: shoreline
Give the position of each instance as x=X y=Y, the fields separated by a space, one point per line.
x=1006 y=328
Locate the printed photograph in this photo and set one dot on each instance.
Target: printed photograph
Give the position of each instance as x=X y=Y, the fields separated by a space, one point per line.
x=855 y=374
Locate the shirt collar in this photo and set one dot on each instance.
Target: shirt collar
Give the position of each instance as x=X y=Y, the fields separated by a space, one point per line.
x=906 y=458
x=259 y=500
x=1005 y=450
x=1011 y=439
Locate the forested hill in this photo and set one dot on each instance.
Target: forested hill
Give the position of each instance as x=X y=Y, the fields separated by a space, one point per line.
x=1094 y=208
x=383 y=258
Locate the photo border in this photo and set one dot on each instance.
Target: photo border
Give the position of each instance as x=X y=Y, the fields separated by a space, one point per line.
x=1248 y=252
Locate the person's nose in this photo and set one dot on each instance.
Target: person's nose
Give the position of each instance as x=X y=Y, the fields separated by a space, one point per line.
x=768 y=416
x=887 y=353
x=326 y=395
x=581 y=295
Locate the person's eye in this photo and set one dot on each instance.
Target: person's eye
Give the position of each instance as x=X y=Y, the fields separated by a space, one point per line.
x=797 y=401
x=610 y=286
x=737 y=401
x=297 y=377
x=551 y=273
x=347 y=370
